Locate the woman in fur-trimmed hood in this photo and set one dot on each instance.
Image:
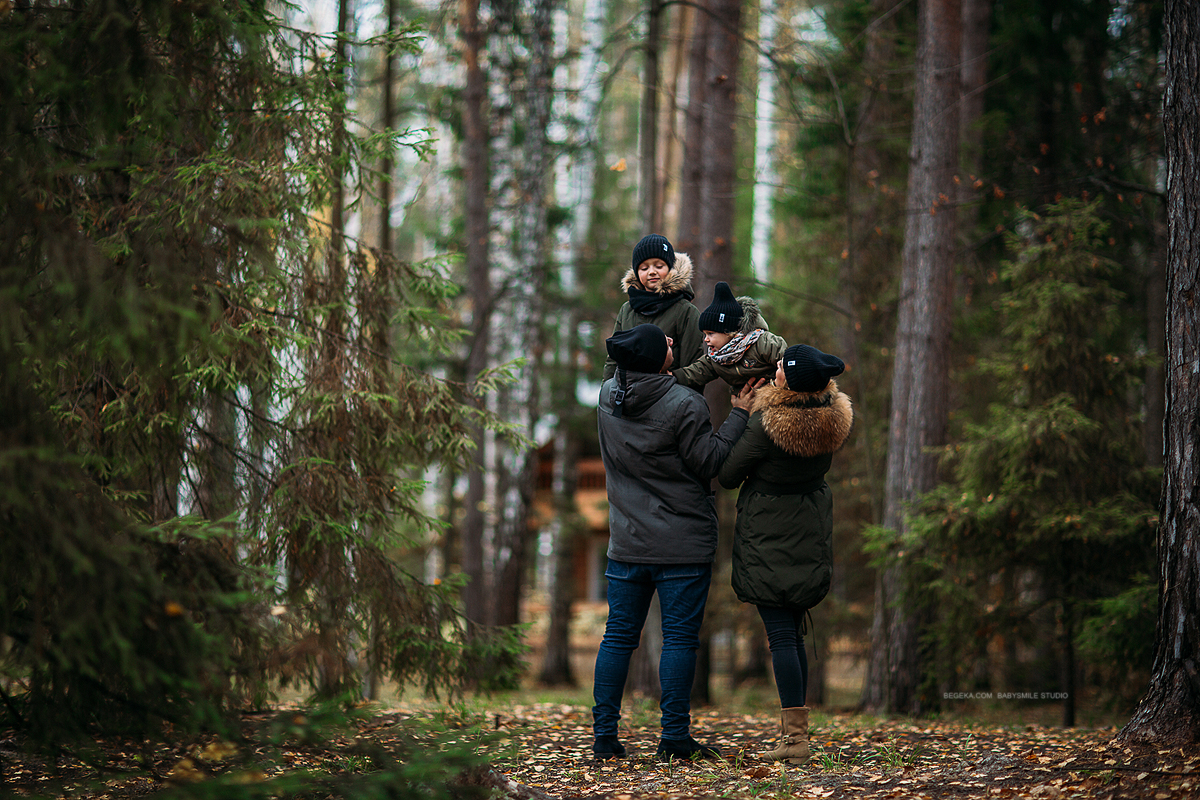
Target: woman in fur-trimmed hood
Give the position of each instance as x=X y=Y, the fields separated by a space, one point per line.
x=783 y=538
x=659 y=286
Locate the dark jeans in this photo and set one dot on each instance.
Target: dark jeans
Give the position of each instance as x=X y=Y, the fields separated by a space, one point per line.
x=788 y=659
x=682 y=594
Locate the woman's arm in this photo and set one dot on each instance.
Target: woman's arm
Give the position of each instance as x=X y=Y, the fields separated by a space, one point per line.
x=750 y=449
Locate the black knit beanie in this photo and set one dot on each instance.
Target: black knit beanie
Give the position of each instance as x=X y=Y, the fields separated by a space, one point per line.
x=807 y=369
x=653 y=245
x=642 y=348
x=724 y=313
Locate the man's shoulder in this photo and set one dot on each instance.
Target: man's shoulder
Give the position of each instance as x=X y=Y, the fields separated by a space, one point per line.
x=685 y=397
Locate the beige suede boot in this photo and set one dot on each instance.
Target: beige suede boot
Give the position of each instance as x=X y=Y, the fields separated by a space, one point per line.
x=793 y=744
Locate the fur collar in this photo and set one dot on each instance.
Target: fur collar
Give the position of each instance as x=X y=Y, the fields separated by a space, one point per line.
x=800 y=430
x=679 y=278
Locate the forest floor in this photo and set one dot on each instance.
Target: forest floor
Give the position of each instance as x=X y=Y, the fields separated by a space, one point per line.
x=541 y=751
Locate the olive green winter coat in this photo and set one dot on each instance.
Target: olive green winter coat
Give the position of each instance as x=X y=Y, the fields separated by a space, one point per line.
x=758 y=361
x=673 y=312
x=783 y=539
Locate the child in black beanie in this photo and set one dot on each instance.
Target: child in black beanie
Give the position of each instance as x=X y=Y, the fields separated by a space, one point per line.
x=739 y=345
x=659 y=286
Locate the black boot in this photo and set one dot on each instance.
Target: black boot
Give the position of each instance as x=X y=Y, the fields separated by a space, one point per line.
x=688 y=749
x=606 y=748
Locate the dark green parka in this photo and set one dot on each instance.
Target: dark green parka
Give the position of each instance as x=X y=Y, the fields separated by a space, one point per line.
x=669 y=307
x=783 y=539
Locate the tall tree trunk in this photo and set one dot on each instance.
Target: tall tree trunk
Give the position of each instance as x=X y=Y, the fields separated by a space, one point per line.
x=1169 y=714
x=651 y=207
x=670 y=141
x=692 y=175
x=575 y=190
x=762 y=226
x=389 y=122
x=920 y=381
x=556 y=667
x=867 y=253
x=516 y=471
x=475 y=195
x=379 y=326
x=718 y=153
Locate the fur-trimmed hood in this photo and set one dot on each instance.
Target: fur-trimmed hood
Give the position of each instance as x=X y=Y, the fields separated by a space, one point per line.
x=752 y=317
x=805 y=423
x=679 y=277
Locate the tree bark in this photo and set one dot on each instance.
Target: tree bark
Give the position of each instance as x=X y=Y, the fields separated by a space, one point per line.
x=692 y=175
x=867 y=253
x=1169 y=714
x=920 y=380
x=389 y=122
x=651 y=208
x=475 y=195
x=718 y=149
x=525 y=309
x=556 y=663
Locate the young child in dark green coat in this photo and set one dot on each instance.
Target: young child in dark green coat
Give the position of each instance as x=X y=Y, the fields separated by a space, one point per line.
x=739 y=345
x=659 y=286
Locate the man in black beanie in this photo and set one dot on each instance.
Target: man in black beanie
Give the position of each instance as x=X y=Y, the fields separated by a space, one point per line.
x=660 y=456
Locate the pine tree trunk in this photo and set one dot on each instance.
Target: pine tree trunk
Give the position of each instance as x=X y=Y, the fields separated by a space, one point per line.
x=718 y=154
x=920 y=381
x=556 y=663
x=475 y=194
x=651 y=208
x=691 y=184
x=866 y=253
x=1169 y=714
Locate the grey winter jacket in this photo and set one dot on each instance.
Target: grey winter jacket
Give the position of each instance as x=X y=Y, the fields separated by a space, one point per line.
x=660 y=456
x=679 y=319
x=783 y=538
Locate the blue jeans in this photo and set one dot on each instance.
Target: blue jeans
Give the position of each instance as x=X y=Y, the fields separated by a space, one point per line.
x=682 y=594
x=788 y=660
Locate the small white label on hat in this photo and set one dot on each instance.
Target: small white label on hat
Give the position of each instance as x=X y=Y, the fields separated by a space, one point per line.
x=721 y=317
x=665 y=248
x=791 y=363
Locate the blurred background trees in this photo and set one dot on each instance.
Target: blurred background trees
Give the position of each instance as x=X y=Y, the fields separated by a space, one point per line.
x=304 y=306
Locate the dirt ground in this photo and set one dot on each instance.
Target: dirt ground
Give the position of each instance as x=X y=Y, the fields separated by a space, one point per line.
x=538 y=748
x=541 y=751
x=853 y=757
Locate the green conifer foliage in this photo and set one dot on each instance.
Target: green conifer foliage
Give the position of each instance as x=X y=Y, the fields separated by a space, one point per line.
x=1051 y=507
x=203 y=479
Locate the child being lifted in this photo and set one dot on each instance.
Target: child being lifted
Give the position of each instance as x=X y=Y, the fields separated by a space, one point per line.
x=739 y=346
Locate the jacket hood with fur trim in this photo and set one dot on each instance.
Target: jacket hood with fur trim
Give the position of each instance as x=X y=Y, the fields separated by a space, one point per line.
x=679 y=278
x=805 y=423
x=752 y=317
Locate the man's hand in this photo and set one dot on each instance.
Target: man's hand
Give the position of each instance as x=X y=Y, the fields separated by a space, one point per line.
x=745 y=398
